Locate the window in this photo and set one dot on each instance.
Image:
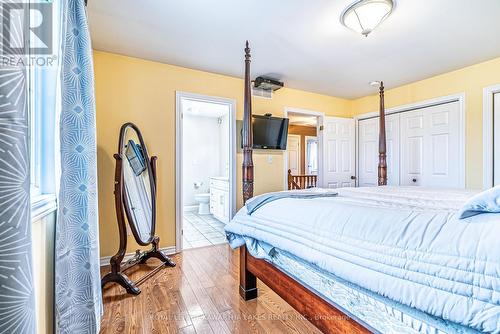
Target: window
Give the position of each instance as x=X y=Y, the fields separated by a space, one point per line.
x=36 y=131
x=312 y=155
x=43 y=102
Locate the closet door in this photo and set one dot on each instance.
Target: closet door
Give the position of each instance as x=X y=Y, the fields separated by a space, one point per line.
x=412 y=148
x=368 y=131
x=368 y=152
x=392 y=145
x=430 y=150
x=442 y=150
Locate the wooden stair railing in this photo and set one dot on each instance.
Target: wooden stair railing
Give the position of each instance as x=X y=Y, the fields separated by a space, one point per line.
x=301 y=181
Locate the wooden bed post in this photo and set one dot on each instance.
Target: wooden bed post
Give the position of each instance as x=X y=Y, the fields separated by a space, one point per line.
x=247 y=132
x=248 y=281
x=324 y=315
x=382 y=156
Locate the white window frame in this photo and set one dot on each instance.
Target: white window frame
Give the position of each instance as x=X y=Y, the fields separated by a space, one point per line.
x=306 y=139
x=42 y=202
x=35 y=135
x=42 y=134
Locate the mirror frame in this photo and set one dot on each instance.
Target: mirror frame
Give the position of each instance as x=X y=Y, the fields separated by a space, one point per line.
x=152 y=183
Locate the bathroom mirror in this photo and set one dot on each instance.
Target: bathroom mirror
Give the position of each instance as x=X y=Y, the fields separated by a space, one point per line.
x=138 y=184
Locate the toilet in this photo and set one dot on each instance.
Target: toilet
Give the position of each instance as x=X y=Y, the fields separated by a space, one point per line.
x=203 y=201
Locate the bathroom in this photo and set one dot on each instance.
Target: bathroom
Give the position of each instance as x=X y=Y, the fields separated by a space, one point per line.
x=206 y=169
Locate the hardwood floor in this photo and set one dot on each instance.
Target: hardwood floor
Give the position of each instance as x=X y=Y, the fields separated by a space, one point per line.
x=199 y=295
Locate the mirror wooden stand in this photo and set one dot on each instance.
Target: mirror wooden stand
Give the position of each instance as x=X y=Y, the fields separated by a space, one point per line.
x=130 y=185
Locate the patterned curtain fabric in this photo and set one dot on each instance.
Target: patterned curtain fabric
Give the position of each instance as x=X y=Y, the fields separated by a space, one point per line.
x=17 y=295
x=77 y=277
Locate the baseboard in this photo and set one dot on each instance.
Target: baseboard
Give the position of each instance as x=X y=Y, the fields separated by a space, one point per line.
x=105 y=259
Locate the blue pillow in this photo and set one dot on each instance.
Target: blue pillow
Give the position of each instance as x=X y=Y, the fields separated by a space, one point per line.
x=487 y=201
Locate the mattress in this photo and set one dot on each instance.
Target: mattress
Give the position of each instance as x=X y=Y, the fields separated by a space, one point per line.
x=376 y=312
x=404 y=244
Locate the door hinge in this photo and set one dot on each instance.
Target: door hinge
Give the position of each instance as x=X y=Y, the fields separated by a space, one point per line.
x=321 y=128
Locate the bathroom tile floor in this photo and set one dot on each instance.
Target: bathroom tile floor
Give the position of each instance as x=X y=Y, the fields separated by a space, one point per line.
x=202 y=230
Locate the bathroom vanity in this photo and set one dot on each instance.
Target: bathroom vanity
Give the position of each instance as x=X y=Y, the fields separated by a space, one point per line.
x=219 y=198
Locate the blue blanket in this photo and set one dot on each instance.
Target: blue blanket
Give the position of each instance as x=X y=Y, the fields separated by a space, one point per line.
x=257 y=202
x=404 y=247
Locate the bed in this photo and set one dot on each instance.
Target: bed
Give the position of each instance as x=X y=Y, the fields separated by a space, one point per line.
x=380 y=259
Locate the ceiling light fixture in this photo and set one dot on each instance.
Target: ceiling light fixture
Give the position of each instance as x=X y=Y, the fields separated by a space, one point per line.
x=364 y=16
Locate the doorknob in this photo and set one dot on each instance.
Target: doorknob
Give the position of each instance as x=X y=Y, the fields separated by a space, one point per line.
x=414 y=180
x=353 y=177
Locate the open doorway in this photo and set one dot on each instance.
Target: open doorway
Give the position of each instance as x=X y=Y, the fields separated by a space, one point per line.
x=303 y=156
x=205 y=169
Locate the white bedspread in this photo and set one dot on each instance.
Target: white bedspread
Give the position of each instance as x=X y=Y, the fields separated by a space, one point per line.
x=403 y=243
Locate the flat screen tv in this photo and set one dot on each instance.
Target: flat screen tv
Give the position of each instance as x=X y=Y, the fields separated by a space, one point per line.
x=270 y=132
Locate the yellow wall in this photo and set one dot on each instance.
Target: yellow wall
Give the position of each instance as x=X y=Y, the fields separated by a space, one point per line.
x=143 y=92
x=43 y=269
x=131 y=89
x=469 y=80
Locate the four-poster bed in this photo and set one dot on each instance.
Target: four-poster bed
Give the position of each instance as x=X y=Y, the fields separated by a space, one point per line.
x=320 y=312
x=368 y=259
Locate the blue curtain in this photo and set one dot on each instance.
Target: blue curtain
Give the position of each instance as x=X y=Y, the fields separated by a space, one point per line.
x=78 y=301
x=17 y=296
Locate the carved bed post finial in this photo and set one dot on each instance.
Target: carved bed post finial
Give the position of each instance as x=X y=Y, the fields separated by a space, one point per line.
x=247 y=131
x=382 y=163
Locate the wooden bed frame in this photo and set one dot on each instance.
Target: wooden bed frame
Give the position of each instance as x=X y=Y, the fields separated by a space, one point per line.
x=327 y=317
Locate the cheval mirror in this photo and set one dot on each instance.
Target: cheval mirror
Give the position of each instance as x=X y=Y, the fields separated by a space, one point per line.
x=135 y=202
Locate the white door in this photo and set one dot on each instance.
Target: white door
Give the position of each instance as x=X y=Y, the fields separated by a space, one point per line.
x=496 y=138
x=430 y=150
x=368 y=152
x=412 y=148
x=368 y=131
x=293 y=151
x=338 y=152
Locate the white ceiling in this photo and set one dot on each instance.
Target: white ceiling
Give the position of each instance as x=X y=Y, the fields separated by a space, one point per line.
x=301 y=41
x=298 y=119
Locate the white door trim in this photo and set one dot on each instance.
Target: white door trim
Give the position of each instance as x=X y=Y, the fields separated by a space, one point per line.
x=320 y=116
x=460 y=98
x=488 y=93
x=179 y=96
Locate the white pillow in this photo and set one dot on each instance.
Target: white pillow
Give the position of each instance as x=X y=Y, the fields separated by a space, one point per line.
x=487 y=201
